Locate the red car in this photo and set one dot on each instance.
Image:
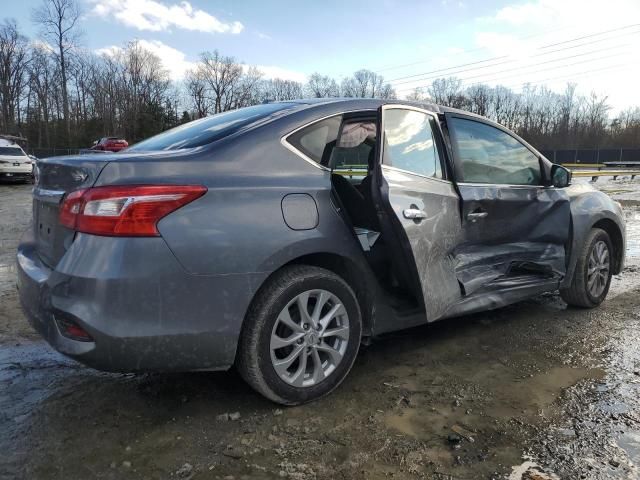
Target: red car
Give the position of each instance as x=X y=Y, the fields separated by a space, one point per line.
x=110 y=144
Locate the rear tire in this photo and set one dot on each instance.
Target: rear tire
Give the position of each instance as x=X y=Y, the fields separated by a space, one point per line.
x=301 y=335
x=594 y=269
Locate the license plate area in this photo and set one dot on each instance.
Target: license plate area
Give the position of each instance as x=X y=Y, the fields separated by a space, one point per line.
x=48 y=231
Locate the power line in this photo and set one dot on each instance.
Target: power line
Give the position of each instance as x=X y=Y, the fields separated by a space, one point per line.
x=591 y=35
x=523 y=67
x=510 y=61
x=451 y=68
x=496 y=80
x=395 y=67
x=611 y=68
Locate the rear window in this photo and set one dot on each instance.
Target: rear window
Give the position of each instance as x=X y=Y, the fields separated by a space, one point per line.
x=209 y=129
x=11 y=151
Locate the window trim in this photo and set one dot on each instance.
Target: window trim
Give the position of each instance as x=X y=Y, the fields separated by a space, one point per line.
x=284 y=140
x=497 y=126
x=409 y=172
x=437 y=141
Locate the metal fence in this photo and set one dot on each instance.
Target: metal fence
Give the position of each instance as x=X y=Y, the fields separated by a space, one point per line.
x=594 y=156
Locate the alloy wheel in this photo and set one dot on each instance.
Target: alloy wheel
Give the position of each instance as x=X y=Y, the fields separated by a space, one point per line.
x=309 y=338
x=598 y=269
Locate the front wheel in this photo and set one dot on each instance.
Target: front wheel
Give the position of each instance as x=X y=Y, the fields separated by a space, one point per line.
x=594 y=269
x=301 y=335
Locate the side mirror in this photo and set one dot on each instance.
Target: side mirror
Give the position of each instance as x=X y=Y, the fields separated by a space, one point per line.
x=560 y=176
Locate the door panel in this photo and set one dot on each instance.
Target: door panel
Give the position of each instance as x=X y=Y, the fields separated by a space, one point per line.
x=513 y=226
x=424 y=208
x=523 y=232
x=432 y=238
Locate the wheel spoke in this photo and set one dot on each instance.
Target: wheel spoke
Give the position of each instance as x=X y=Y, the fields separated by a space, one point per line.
x=318 y=371
x=303 y=306
x=297 y=379
x=285 y=318
x=324 y=321
x=282 y=366
x=332 y=352
x=342 y=332
x=321 y=300
x=279 y=342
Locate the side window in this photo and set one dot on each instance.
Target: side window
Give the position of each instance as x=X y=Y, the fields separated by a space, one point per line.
x=489 y=155
x=409 y=143
x=355 y=146
x=317 y=140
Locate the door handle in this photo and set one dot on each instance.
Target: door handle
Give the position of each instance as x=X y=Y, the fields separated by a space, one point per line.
x=476 y=216
x=414 y=214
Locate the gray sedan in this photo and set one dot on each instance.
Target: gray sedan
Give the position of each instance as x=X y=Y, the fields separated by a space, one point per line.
x=276 y=237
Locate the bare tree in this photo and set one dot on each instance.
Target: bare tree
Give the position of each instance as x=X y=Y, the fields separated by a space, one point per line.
x=58 y=19
x=196 y=87
x=13 y=63
x=221 y=74
x=278 y=89
x=322 y=86
x=418 y=95
x=479 y=99
x=447 y=92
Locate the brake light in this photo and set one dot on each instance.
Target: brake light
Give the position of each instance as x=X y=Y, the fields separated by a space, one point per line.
x=126 y=210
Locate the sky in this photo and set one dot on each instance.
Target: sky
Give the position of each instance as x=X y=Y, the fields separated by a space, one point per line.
x=411 y=42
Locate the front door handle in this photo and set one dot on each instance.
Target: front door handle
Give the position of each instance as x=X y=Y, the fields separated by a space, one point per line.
x=476 y=216
x=414 y=213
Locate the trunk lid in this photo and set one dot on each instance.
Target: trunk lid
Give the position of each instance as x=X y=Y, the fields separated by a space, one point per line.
x=55 y=177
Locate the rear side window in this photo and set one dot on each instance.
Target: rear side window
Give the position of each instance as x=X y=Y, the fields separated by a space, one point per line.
x=318 y=139
x=209 y=129
x=488 y=155
x=409 y=143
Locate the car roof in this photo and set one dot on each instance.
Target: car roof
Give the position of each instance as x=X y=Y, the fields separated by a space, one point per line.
x=368 y=103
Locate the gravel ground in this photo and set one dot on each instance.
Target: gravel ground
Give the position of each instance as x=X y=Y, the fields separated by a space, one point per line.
x=535 y=387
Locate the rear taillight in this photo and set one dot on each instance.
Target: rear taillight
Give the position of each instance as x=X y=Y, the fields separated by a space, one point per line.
x=126 y=210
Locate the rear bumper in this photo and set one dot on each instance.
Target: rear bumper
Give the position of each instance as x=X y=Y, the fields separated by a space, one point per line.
x=143 y=311
x=16 y=176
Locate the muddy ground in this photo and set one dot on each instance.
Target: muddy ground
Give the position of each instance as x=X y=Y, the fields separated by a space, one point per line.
x=534 y=387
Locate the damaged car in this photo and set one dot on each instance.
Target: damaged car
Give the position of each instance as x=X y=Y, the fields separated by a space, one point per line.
x=275 y=238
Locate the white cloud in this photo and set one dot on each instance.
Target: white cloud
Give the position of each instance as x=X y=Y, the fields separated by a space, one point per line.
x=583 y=13
x=155 y=15
x=174 y=60
x=271 y=71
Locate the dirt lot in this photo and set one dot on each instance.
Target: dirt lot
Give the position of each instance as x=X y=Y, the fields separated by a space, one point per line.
x=533 y=386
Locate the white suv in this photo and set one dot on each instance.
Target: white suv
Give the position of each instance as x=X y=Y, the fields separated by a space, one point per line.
x=15 y=164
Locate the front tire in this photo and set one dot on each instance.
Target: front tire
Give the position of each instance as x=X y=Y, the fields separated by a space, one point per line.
x=301 y=335
x=594 y=269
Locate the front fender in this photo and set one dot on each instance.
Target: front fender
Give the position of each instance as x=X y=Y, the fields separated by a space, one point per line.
x=588 y=207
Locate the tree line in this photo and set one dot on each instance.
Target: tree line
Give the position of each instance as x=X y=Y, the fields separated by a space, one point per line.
x=57 y=94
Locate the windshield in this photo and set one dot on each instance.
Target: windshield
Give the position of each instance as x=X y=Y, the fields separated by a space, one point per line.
x=11 y=152
x=209 y=129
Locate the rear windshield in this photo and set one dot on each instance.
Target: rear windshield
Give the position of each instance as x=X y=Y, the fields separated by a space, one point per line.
x=209 y=129
x=11 y=151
